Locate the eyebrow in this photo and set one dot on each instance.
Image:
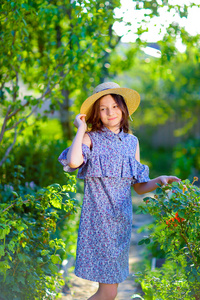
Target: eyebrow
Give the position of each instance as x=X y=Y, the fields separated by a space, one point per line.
x=106 y=106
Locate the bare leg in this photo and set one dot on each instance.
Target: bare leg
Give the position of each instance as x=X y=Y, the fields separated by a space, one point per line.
x=105 y=292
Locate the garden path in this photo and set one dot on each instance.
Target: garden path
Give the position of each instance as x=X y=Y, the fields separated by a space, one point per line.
x=81 y=289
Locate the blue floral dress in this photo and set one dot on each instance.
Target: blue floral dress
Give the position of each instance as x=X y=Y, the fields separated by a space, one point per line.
x=109 y=169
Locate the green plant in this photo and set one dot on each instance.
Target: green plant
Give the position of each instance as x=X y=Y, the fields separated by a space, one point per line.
x=168 y=282
x=37 y=150
x=176 y=209
x=187 y=159
x=29 y=254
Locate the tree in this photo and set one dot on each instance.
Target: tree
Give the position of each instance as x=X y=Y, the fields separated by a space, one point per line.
x=54 y=47
x=60 y=49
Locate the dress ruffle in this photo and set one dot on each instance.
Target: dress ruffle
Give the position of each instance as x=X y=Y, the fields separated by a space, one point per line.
x=63 y=158
x=105 y=165
x=115 y=166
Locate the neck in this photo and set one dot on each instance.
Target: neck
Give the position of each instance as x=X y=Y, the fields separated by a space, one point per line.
x=114 y=129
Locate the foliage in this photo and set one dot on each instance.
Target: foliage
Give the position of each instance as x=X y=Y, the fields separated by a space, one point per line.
x=187 y=159
x=54 y=48
x=158 y=159
x=58 y=49
x=39 y=160
x=29 y=254
x=163 y=97
x=168 y=282
x=176 y=209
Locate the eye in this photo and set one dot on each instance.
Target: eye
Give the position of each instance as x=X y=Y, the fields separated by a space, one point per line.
x=115 y=106
x=101 y=109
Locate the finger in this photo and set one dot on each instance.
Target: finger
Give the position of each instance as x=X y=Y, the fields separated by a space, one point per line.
x=174 y=178
x=83 y=117
x=164 y=182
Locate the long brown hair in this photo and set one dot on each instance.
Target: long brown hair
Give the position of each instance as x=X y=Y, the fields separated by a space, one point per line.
x=94 y=122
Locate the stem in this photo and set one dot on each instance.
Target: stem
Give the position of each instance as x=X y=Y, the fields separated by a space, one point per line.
x=188 y=245
x=26 y=201
x=15 y=268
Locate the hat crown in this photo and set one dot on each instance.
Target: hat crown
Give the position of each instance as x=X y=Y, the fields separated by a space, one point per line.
x=105 y=86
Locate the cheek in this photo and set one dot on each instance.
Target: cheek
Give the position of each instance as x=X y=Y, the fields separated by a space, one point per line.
x=102 y=114
x=120 y=113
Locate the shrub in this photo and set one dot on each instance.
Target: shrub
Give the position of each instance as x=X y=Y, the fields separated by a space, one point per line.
x=187 y=159
x=29 y=255
x=37 y=152
x=176 y=209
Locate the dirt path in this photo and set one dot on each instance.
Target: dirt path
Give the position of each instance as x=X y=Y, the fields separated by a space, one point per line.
x=82 y=289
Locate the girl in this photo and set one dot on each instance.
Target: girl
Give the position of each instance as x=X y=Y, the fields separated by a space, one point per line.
x=109 y=162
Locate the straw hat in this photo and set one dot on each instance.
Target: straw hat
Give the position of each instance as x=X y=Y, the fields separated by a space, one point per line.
x=131 y=97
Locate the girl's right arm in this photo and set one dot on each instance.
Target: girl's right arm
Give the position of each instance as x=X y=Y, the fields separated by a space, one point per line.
x=74 y=155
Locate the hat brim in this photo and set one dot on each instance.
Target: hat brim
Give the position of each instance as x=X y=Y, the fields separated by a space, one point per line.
x=131 y=97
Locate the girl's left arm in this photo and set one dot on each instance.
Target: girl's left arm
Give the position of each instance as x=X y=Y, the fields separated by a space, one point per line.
x=151 y=185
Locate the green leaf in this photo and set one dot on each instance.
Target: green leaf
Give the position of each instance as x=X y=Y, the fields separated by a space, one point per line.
x=53 y=268
x=24 y=5
x=2 y=250
x=141 y=242
x=45 y=252
x=56 y=186
x=4 y=231
x=11 y=246
x=39 y=260
x=55 y=259
x=159 y=191
x=15 y=194
x=4 y=265
x=147 y=241
x=181 y=213
x=56 y=201
x=22 y=257
x=52 y=244
x=21 y=279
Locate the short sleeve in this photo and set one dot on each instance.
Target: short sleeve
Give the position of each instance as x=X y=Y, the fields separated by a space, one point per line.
x=142 y=173
x=63 y=158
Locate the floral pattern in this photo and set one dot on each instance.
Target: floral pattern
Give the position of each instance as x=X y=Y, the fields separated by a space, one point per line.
x=109 y=169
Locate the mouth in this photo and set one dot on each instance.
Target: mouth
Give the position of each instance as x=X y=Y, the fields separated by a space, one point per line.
x=112 y=119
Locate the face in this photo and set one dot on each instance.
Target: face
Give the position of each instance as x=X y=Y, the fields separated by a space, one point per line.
x=110 y=113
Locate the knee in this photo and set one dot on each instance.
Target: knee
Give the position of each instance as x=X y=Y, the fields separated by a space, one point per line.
x=112 y=294
x=108 y=292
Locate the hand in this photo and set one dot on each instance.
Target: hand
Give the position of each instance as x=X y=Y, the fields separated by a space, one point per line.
x=80 y=121
x=168 y=179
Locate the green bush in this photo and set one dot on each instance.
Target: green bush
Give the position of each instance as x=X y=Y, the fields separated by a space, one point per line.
x=187 y=159
x=29 y=254
x=158 y=159
x=37 y=151
x=176 y=209
x=166 y=283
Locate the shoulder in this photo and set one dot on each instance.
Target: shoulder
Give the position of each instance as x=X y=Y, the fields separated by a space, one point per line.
x=131 y=137
x=87 y=140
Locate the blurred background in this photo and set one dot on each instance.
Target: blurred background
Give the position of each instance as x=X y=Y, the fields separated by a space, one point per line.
x=54 y=52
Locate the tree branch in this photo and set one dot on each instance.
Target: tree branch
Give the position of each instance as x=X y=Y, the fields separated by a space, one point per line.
x=23 y=119
x=9 y=149
x=3 y=83
x=4 y=123
x=11 y=205
x=16 y=111
x=15 y=93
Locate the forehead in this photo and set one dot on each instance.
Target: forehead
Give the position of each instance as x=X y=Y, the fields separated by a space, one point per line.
x=107 y=100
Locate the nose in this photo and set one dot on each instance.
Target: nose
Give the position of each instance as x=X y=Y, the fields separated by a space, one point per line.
x=110 y=111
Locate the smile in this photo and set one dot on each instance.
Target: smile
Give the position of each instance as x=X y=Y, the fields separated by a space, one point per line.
x=112 y=119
